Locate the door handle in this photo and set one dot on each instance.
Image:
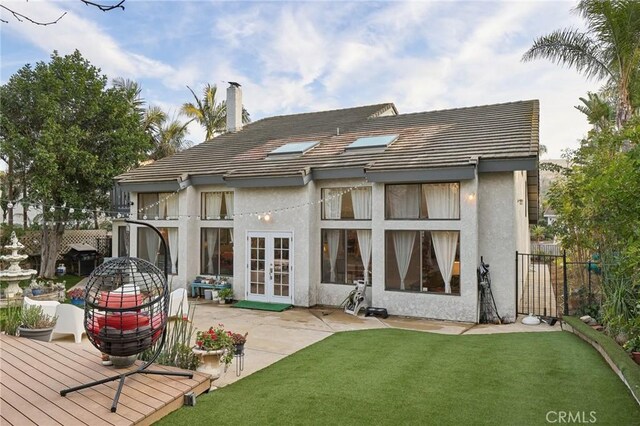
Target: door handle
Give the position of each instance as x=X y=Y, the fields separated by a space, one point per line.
x=271 y=272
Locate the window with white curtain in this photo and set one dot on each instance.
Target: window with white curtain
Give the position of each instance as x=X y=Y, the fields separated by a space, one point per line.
x=423 y=261
x=158 y=206
x=123 y=241
x=150 y=248
x=216 y=251
x=343 y=251
x=216 y=205
x=346 y=203
x=423 y=201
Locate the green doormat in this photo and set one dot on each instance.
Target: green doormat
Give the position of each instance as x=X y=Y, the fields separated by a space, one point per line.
x=262 y=306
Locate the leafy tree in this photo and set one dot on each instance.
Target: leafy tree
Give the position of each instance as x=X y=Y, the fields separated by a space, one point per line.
x=608 y=49
x=210 y=115
x=77 y=135
x=599 y=112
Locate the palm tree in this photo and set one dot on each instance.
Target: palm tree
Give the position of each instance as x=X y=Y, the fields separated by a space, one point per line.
x=209 y=114
x=600 y=114
x=608 y=49
x=132 y=91
x=170 y=137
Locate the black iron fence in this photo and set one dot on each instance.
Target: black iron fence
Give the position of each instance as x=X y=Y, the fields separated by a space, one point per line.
x=549 y=285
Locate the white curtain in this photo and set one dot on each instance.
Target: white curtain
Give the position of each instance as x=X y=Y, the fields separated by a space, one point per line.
x=172 y=206
x=445 y=244
x=361 y=199
x=212 y=205
x=211 y=239
x=173 y=249
x=152 y=241
x=228 y=198
x=333 y=241
x=403 y=242
x=443 y=200
x=332 y=203
x=403 y=201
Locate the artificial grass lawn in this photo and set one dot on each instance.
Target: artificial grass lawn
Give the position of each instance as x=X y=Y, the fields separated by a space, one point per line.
x=398 y=377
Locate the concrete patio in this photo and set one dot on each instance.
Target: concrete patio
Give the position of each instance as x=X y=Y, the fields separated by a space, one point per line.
x=275 y=335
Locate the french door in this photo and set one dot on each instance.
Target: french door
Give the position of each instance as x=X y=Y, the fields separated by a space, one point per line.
x=270 y=267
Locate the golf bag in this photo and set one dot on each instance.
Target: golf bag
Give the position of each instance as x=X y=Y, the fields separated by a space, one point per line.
x=488 y=309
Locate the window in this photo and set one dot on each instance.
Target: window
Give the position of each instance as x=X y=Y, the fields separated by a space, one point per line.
x=423 y=201
x=216 y=205
x=123 y=241
x=150 y=247
x=342 y=203
x=343 y=251
x=216 y=251
x=158 y=205
x=372 y=142
x=293 y=148
x=423 y=261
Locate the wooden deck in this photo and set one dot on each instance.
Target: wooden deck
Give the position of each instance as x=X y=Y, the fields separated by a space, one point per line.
x=33 y=373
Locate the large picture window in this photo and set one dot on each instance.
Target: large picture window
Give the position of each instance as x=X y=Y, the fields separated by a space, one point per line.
x=342 y=203
x=150 y=247
x=423 y=201
x=216 y=251
x=216 y=205
x=423 y=261
x=346 y=253
x=158 y=206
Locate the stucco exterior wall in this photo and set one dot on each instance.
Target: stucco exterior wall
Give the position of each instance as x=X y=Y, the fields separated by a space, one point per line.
x=498 y=235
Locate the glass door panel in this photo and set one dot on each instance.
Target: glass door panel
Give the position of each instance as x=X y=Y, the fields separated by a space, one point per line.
x=270 y=271
x=257 y=263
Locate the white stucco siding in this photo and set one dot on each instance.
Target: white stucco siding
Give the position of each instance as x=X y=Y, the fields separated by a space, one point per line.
x=498 y=235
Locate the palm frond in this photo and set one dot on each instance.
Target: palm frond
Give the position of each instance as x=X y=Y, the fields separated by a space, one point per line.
x=571 y=48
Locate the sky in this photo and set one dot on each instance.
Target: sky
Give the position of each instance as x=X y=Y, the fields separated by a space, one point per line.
x=294 y=57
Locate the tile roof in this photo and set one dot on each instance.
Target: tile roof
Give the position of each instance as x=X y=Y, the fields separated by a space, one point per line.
x=434 y=139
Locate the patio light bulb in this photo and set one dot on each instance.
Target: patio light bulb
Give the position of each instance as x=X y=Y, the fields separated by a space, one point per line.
x=52 y=209
x=471 y=196
x=72 y=210
x=10 y=205
x=267 y=217
x=84 y=210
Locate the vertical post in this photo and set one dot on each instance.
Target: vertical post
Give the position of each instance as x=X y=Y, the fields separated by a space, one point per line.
x=517 y=284
x=565 y=285
x=589 y=275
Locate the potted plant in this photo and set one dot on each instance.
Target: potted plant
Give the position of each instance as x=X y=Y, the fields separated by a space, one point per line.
x=226 y=294
x=35 y=324
x=77 y=296
x=238 y=341
x=36 y=288
x=214 y=347
x=633 y=347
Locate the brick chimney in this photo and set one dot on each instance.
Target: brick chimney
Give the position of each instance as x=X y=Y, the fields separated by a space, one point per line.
x=234 y=107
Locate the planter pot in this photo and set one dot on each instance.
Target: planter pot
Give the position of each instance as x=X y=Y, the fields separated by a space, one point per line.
x=42 y=334
x=123 y=361
x=228 y=300
x=239 y=349
x=636 y=357
x=221 y=301
x=77 y=301
x=210 y=362
x=37 y=291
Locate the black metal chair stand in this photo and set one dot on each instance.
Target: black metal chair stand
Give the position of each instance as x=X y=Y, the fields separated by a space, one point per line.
x=126 y=309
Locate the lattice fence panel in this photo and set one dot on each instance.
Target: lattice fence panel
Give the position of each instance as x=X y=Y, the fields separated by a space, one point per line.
x=96 y=238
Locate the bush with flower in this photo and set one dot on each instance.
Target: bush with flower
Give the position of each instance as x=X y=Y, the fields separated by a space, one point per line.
x=216 y=338
x=76 y=293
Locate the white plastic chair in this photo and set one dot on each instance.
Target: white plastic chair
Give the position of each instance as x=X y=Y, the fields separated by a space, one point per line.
x=48 y=306
x=178 y=304
x=70 y=321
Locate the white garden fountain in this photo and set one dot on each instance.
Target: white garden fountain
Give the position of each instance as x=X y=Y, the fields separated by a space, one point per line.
x=14 y=274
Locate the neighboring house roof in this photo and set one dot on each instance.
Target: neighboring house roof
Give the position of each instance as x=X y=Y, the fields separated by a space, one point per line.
x=430 y=146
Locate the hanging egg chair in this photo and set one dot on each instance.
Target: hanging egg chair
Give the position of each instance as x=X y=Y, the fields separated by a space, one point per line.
x=126 y=306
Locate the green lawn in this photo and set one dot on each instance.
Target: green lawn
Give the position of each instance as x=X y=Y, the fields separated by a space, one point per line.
x=397 y=377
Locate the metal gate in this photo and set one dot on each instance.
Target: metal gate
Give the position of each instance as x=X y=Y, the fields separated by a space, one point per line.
x=541 y=284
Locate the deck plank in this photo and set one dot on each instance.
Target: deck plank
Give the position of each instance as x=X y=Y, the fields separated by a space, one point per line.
x=33 y=374
x=93 y=402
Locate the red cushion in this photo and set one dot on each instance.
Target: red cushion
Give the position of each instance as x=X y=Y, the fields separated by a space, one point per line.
x=122 y=321
x=117 y=300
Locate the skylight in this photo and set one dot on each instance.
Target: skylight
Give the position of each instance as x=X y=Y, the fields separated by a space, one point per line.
x=294 y=148
x=372 y=142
